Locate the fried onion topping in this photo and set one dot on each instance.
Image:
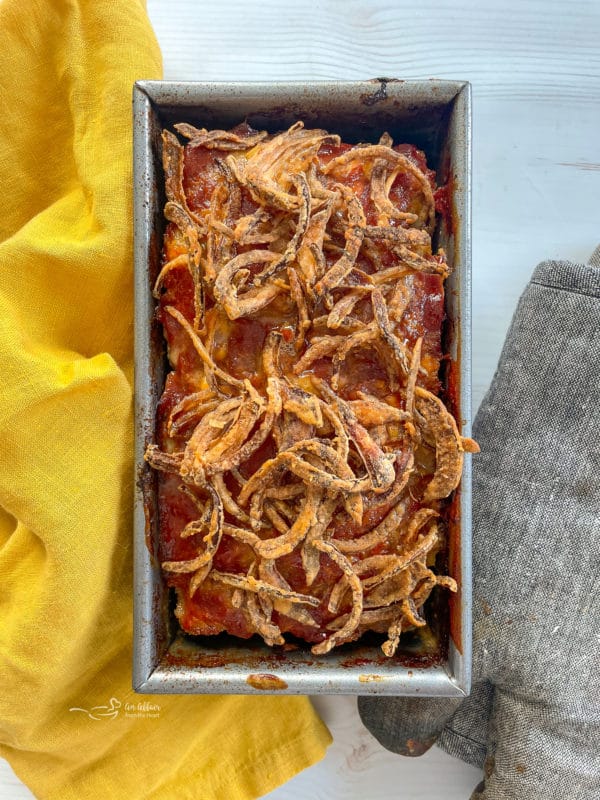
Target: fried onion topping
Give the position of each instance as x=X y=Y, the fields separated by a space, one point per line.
x=304 y=436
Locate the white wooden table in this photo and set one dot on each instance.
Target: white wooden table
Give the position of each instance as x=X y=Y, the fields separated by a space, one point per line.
x=535 y=70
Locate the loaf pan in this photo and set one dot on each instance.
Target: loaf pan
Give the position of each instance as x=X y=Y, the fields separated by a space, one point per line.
x=435 y=116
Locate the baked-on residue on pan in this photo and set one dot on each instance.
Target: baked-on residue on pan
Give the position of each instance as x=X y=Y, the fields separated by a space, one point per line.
x=304 y=454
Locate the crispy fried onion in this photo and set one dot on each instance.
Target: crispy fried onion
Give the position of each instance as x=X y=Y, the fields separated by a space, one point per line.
x=439 y=430
x=250 y=584
x=381 y=156
x=344 y=633
x=218 y=140
x=173 y=160
x=394 y=587
x=330 y=488
x=267 y=170
x=200 y=564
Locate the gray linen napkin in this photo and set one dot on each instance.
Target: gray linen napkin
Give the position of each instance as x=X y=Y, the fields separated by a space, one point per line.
x=533 y=717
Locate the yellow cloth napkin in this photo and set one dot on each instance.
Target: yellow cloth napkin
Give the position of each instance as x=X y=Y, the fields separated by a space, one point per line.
x=66 y=72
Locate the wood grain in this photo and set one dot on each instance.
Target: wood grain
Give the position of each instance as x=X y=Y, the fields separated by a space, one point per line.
x=535 y=46
x=535 y=70
x=356 y=766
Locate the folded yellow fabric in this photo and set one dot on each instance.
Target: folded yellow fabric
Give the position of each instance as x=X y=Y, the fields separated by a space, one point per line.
x=66 y=71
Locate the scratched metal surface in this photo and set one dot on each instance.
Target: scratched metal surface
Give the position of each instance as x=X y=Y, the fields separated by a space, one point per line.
x=436 y=116
x=535 y=70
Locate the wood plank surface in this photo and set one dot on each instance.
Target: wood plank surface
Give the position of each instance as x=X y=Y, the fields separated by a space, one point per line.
x=535 y=70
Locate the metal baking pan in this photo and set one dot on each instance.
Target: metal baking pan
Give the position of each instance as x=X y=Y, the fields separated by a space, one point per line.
x=436 y=116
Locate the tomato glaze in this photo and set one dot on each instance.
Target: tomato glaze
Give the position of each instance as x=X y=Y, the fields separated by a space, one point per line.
x=236 y=346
